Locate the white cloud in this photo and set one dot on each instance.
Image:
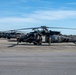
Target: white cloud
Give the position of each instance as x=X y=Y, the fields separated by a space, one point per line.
x=53 y=15
x=16 y=19
x=9 y=3
x=41 y=16
x=72 y=3
x=23 y=0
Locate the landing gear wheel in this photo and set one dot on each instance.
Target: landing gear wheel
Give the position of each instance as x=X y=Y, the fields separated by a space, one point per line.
x=39 y=43
x=35 y=43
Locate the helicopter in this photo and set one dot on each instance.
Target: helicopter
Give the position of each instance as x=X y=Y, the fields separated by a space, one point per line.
x=10 y=34
x=37 y=37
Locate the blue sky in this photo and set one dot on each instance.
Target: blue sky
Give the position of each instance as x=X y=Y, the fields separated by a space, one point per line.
x=16 y=14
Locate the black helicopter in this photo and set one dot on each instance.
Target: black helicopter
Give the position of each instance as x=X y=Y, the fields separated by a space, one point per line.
x=37 y=37
x=10 y=34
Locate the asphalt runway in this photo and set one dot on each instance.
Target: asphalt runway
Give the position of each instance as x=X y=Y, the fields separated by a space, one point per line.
x=25 y=59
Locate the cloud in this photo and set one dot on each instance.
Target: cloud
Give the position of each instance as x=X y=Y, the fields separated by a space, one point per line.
x=43 y=1
x=53 y=15
x=7 y=3
x=24 y=1
x=13 y=2
x=42 y=16
x=10 y=19
x=72 y=3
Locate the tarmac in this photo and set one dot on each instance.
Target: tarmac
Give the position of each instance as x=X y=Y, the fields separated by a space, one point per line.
x=29 y=59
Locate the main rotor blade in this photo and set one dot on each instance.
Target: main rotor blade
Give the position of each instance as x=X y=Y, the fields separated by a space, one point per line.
x=28 y=28
x=62 y=28
x=23 y=29
x=43 y=27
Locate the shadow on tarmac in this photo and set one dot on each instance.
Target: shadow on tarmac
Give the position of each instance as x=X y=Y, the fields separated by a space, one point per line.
x=55 y=44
